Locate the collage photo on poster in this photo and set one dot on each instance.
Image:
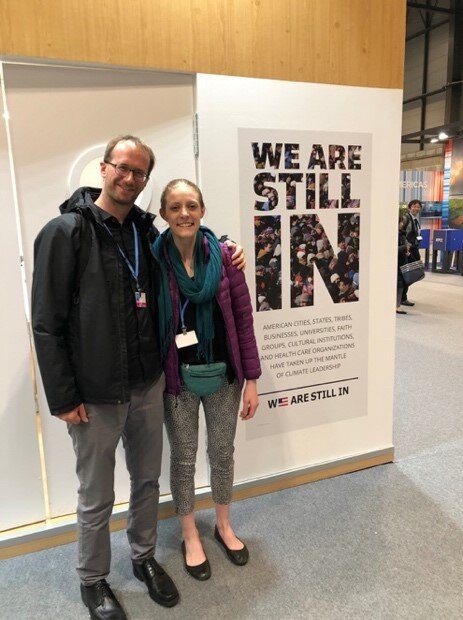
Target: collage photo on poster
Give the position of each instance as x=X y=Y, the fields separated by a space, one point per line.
x=310 y=246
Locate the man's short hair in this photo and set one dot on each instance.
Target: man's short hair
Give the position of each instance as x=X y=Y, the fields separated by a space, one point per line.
x=138 y=143
x=415 y=201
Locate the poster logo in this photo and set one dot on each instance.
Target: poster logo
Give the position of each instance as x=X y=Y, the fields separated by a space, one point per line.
x=278 y=402
x=310 y=396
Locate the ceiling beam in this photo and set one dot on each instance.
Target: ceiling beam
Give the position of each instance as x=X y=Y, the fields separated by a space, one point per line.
x=424 y=7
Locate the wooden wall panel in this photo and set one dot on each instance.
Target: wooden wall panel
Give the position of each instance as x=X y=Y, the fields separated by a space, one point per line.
x=352 y=42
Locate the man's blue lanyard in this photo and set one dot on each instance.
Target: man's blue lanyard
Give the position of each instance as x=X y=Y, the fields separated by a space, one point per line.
x=133 y=272
x=182 y=314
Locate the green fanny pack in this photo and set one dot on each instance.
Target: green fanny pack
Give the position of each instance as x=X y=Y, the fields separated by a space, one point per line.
x=203 y=379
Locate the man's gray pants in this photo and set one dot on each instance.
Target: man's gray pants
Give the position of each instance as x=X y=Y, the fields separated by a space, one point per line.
x=139 y=422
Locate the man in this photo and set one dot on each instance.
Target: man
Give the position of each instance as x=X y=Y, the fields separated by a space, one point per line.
x=412 y=233
x=93 y=318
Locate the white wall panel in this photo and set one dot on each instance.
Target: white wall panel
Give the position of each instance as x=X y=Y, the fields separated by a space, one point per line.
x=56 y=115
x=21 y=498
x=226 y=104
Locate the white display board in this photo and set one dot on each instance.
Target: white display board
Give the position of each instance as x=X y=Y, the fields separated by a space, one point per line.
x=61 y=118
x=21 y=497
x=336 y=406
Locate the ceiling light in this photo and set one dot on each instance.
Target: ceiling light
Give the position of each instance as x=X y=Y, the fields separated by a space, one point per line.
x=433 y=140
x=443 y=135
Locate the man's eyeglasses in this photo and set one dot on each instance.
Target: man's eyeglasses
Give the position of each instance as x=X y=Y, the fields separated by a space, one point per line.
x=123 y=170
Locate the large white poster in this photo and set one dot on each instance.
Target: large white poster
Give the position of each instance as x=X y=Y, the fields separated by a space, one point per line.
x=234 y=113
x=305 y=208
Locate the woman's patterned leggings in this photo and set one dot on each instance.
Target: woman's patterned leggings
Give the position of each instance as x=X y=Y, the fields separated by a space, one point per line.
x=181 y=418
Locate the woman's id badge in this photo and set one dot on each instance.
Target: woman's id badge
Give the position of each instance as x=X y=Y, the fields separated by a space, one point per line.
x=186 y=339
x=140 y=299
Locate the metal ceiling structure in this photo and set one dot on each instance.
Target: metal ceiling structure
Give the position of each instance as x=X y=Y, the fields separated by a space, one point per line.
x=431 y=13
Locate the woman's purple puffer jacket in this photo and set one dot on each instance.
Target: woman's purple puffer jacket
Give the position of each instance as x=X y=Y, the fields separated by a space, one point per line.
x=235 y=303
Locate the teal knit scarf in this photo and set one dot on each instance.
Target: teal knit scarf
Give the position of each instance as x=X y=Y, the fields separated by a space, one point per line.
x=200 y=291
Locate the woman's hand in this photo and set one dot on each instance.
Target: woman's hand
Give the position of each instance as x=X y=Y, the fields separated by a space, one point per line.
x=250 y=400
x=238 y=257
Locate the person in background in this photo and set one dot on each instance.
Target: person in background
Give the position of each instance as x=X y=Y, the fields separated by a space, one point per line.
x=206 y=326
x=403 y=254
x=413 y=237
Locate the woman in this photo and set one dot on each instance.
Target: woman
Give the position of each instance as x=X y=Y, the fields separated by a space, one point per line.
x=206 y=324
x=411 y=228
x=403 y=254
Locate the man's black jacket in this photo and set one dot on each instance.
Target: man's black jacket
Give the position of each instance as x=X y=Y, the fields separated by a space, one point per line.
x=80 y=338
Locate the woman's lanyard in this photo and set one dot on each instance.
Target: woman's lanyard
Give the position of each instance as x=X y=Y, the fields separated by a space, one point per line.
x=182 y=314
x=186 y=338
x=140 y=296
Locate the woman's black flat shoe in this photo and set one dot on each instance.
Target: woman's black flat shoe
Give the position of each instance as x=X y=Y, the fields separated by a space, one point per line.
x=238 y=557
x=201 y=572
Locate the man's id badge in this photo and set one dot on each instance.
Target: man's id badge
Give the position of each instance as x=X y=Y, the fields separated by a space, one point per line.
x=186 y=339
x=140 y=299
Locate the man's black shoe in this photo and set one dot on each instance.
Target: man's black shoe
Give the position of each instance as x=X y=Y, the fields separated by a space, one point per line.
x=160 y=586
x=101 y=602
x=407 y=303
